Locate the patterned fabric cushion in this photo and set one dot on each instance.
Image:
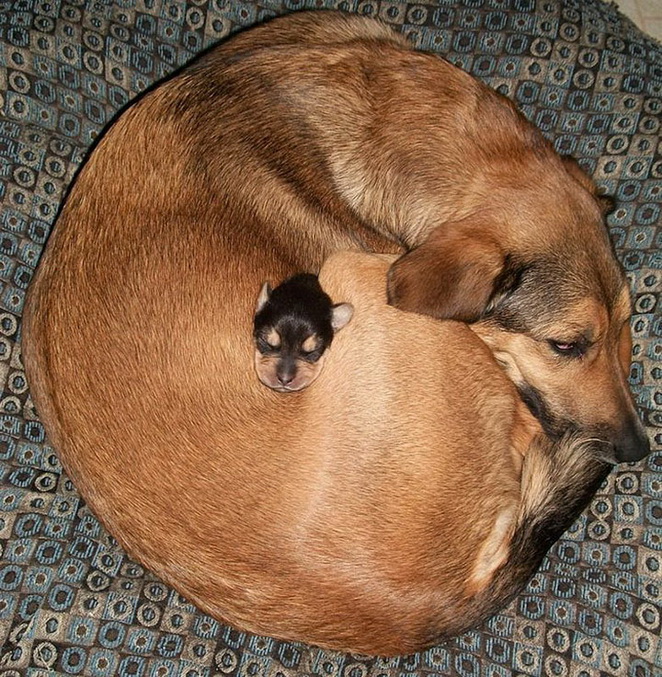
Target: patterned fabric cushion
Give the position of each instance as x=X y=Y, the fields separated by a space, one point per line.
x=71 y=602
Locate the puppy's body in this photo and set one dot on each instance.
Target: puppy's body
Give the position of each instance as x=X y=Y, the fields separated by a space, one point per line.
x=372 y=511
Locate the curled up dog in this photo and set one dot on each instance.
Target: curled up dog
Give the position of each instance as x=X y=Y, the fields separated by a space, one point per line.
x=414 y=488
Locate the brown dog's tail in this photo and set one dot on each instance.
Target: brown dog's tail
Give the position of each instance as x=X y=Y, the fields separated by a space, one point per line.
x=559 y=478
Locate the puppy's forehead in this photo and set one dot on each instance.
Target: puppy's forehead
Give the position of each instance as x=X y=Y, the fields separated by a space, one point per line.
x=294 y=329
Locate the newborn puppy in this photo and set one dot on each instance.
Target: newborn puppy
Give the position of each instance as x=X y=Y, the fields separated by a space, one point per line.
x=293 y=326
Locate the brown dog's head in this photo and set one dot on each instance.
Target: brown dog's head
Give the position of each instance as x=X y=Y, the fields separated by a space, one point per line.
x=545 y=292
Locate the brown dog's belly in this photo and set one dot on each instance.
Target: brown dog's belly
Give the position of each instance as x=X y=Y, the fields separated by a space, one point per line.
x=352 y=514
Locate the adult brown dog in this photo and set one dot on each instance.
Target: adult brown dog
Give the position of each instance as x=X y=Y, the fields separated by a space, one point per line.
x=336 y=515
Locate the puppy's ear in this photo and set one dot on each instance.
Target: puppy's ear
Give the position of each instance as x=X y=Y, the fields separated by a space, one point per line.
x=341 y=314
x=262 y=299
x=450 y=276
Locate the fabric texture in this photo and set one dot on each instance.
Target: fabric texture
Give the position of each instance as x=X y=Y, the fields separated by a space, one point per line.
x=71 y=602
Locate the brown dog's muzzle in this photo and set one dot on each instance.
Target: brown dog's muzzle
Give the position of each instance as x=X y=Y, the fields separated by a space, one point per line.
x=630 y=442
x=625 y=441
x=627 y=433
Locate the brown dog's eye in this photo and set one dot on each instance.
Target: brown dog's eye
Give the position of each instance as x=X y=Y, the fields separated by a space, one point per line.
x=568 y=349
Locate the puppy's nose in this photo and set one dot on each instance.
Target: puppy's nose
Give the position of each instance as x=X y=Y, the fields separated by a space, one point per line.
x=285 y=377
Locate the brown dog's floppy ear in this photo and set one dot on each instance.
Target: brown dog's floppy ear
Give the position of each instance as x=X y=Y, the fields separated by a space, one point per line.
x=451 y=276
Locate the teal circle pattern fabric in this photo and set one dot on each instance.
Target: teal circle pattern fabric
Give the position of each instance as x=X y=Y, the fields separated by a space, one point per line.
x=71 y=602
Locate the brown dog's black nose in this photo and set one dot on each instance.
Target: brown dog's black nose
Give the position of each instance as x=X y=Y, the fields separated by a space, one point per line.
x=631 y=443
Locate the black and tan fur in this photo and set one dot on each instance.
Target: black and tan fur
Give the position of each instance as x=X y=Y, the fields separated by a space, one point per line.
x=293 y=327
x=408 y=493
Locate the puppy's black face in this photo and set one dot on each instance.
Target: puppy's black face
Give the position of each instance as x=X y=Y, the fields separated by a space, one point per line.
x=289 y=354
x=293 y=326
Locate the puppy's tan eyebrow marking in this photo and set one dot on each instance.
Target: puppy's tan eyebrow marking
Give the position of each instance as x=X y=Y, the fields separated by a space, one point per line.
x=310 y=343
x=273 y=338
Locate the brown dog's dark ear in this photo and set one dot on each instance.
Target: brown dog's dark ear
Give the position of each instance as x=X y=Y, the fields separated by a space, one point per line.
x=450 y=276
x=606 y=202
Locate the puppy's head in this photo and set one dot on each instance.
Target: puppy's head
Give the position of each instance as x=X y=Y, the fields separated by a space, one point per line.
x=554 y=308
x=285 y=365
x=293 y=327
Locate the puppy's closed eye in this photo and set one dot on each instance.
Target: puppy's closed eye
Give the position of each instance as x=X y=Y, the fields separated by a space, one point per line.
x=268 y=342
x=311 y=344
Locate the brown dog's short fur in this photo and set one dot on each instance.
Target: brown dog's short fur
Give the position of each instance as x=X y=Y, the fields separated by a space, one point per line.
x=383 y=508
